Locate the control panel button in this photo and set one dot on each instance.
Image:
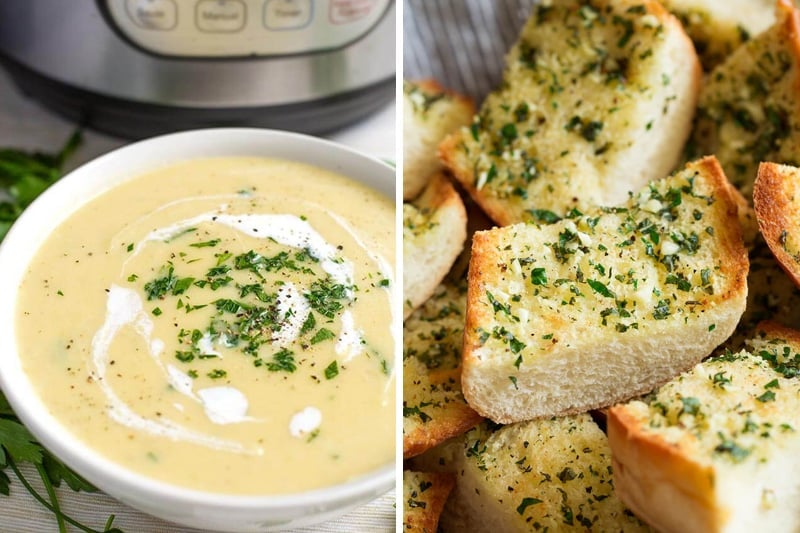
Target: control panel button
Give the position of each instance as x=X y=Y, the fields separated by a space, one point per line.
x=287 y=14
x=153 y=14
x=220 y=16
x=346 y=11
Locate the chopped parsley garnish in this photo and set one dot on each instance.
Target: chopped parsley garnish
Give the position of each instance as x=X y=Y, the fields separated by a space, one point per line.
x=527 y=502
x=325 y=297
x=332 y=370
x=539 y=276
x=600 y=288
x=322 y=335
x=283 y=361
x=205 y=244
x=161 y=286
x=768 y=396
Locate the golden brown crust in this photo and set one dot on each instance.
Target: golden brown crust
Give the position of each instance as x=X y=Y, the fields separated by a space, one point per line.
x=460 y=419
x=444 y=220
x=481 y=255
x=418 y=518
x=736 y=264
x=773 y=330
x=658 y=480
x=785 y=10
x=432 y=86
x=448 y=154
x=776 y=213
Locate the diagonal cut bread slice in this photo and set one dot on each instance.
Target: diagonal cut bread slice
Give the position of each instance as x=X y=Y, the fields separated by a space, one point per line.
x=718 y=28
x=434 y=231
x=597 y=100
x=776 y=198
x=429 y=113
x=434 y=408
x=424 y=496
x=715 y=450
x=604 y=305
x=749 y=110
x=543 y=475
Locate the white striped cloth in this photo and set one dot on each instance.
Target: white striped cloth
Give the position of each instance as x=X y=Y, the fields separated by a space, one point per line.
x=461 y=43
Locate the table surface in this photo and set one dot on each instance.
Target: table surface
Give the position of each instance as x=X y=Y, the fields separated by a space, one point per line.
x=26 y=124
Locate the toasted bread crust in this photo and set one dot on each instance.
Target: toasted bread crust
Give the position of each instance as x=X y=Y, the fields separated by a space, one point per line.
x=487 y=364
x=432 y=345
x=418 y=518
x=777 y=211
x=425 y=124
x=431 y=247
x=458 y=419
x=652 y=476
x=655 y=475
x=432 y=86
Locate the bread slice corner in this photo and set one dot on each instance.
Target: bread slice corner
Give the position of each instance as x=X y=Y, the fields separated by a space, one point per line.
x=424 y=496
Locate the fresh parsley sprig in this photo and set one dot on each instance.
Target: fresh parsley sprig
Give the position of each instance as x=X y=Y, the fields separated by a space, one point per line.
x=23 y=177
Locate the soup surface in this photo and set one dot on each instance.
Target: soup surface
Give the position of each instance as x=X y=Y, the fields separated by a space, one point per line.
x=222 y=324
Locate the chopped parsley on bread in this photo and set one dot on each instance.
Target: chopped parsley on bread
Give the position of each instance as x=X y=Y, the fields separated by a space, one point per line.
x=544 y=475
x=434 y=231
x=749 y=110
x=605 y=304
x=718 y=28
x=434 y=408
x=429 y=113
x=715 y=449
x=597 y=100
x=424 y=495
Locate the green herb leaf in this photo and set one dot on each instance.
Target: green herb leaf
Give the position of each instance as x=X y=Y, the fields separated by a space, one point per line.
x=283 y=361
x=527 y=502
x=600 y=288
x=539 y=276
x=322 y=335
x=332 y=370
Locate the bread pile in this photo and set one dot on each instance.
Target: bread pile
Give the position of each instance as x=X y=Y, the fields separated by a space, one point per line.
x=647 y=224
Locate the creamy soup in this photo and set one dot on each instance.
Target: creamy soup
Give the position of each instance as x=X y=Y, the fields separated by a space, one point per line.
x=222 y=324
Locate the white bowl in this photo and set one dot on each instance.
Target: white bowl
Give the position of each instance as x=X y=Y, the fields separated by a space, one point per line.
x=189 y=507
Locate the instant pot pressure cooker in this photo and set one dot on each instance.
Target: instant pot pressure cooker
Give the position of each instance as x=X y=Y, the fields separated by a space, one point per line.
x=140 y=67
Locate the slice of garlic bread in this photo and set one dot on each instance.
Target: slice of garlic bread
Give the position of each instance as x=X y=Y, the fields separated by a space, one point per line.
x=424 y=496
x=771 y=294
x=597 y=100
x=603 y=305
x=434 y=408
x=749 y=110
x=434 y=231
x=429 y=113
x=718 y=27
x=544 y=475
x=716 y=449
x=776 y=198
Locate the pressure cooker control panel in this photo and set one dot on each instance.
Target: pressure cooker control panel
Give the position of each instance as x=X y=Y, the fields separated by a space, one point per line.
x=236 y=28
